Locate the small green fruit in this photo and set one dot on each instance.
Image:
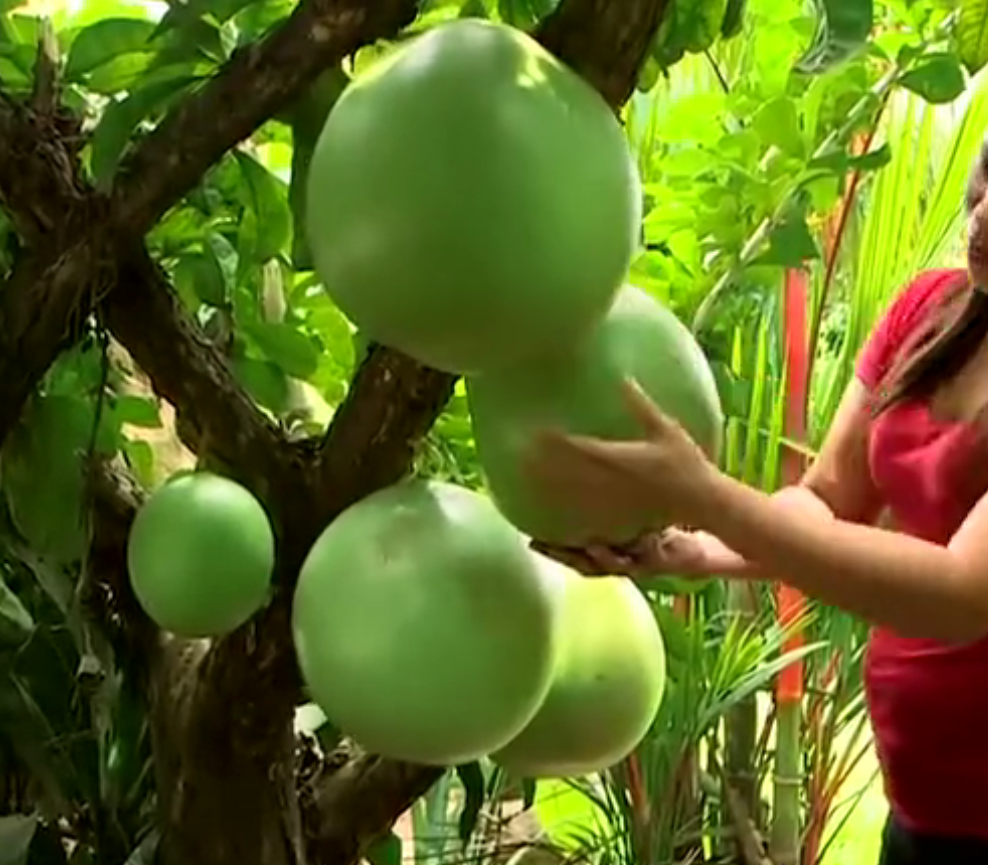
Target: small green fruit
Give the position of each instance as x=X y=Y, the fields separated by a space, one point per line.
x=201 y=555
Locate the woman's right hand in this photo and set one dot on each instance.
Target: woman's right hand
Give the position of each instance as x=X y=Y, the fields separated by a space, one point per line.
x=671 y=552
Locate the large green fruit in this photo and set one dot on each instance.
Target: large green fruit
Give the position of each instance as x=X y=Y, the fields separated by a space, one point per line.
x=472 y=201
x=423 y=627
x=580 y=392
x=607 y=685
x=201 y=555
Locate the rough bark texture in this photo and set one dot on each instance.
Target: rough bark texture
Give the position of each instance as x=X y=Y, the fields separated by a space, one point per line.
x=222 y=712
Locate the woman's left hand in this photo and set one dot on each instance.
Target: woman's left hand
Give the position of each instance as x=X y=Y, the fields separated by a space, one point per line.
x=665 y=473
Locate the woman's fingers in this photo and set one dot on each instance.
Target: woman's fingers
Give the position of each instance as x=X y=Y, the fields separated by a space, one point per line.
x=571 y=558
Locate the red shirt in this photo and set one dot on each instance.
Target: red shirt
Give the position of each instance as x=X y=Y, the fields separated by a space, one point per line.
x=928 y=701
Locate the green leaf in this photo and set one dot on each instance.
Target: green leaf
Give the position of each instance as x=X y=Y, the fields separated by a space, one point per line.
x=937 y=78
x=42 y=464
x=472 y=778
x=16 y=835
x=524 y=14
x=265 y=381
x=267 y=228
x=140 y=458
x=777 y=124
x=843 y=28
x=223 y=260
x=291 y=350
x=530 y=788
x=119 y=121
x=385 y=851
x=733 y=22
x=16 y=623
x=840 y=162
x=106 y=40
x=136 y=411
x=971 y=34
x=790 y=244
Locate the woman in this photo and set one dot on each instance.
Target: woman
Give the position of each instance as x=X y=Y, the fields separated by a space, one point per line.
x=909 y=444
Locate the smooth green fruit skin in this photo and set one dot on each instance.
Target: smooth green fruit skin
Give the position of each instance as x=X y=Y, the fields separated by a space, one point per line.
x=472 y=201
x=607 y=686
x=581 y=392
x=201 y=555
x=423 y=628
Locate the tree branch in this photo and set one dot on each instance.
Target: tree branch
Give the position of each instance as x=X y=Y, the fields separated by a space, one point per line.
x=610 y=52
x=257 y=82
x=188 y=371
x=350 y=807
x=42 y=307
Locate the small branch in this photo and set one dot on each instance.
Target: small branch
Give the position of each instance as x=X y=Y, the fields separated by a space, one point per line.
x=258 y=81
x=392 y=404
x=46 y=96
x=221 y=418
x=350 y=807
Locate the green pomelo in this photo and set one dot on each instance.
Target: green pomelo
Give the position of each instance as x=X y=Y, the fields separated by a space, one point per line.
x=607 y=685
x=472 y=201
x=201 y=555
x=423 y=627
x=580 y=392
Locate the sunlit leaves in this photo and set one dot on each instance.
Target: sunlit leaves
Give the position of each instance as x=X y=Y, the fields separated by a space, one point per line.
x=106 y=40
x=972 y=34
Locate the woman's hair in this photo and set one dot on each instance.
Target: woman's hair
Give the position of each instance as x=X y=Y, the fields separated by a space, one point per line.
x=952 y=332
x=957 y=324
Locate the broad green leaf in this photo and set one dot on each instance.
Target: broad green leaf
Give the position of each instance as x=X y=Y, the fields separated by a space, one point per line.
x=136 y=411
x=790 y=244
x=843 y=28
x=777 y=124
x=291 y=350
x=120 y=120
x=687 y=25
x=42 y=464
x=106 y=40
x=16 y=835
x=971 y=34
x=140 y=458
x=385 y=851
x=16 y=623
x=938 y=78
x=733 y=22
x=267 y=227
x=265 y=381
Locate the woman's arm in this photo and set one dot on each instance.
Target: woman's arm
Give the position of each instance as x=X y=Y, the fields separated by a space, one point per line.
x=914 y=587
x=838 y=484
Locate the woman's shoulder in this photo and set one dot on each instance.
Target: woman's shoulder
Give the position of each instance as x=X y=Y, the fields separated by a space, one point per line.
x=920 y=295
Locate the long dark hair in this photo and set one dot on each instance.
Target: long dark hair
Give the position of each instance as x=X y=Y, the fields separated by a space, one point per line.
x=958 y=324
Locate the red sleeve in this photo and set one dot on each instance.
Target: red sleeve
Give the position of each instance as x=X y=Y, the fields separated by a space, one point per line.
x=906 y=312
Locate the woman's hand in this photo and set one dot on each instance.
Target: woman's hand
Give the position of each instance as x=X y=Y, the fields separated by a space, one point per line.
x=672 y=552
x=664 y=476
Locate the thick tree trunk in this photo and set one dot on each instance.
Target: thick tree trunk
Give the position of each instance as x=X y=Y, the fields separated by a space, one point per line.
x=222 y=713
x=226 y=789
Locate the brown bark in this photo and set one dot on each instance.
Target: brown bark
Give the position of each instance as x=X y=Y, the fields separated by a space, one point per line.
x=222 y=712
